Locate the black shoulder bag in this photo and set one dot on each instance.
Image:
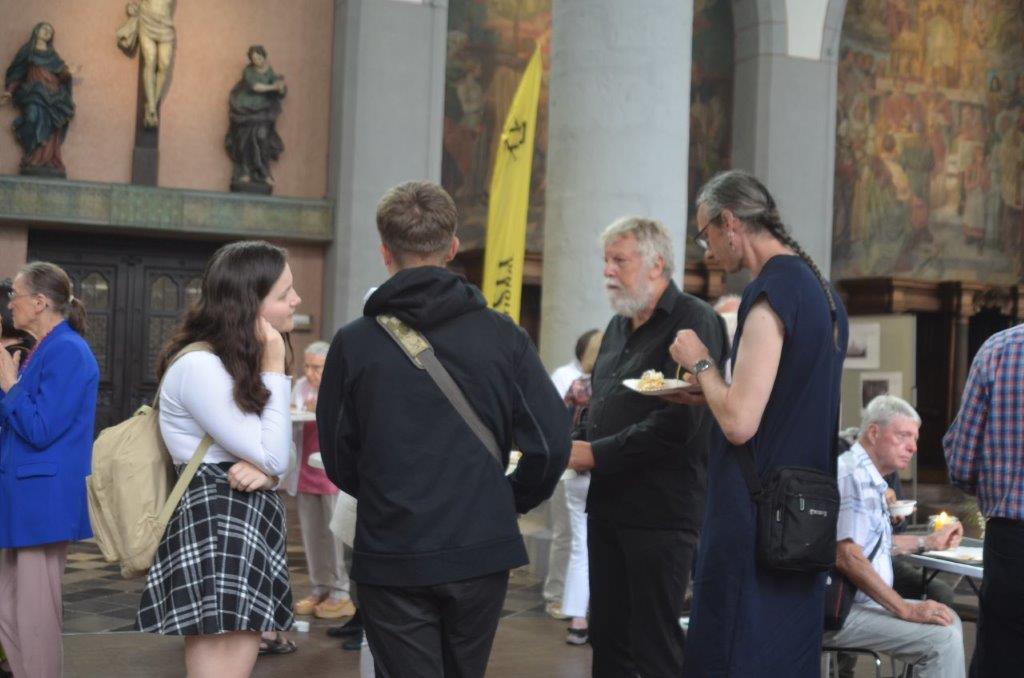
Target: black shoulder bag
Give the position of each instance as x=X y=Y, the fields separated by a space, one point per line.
x=839 y=593
x=797 y=510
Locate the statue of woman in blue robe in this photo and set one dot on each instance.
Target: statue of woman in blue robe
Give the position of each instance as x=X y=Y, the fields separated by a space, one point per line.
x=39 y=83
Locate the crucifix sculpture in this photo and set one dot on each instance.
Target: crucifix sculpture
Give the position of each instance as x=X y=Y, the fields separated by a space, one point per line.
x=150 y=28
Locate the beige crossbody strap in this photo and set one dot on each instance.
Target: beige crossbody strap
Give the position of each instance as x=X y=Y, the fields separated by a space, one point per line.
x=421 y=353
x=183 y=480
x=197 y=457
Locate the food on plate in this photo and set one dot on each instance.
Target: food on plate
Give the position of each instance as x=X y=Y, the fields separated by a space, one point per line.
x=651 y=380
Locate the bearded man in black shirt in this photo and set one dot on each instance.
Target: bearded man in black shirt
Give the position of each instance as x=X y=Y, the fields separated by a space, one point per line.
x=647 y=457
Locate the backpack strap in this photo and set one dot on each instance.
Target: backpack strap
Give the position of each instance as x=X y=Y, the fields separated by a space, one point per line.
x=194 y=347
x=183 y=480
x=197 y=457
x=421 y=353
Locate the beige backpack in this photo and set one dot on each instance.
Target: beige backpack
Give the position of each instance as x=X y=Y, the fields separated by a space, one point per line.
x=129 y=491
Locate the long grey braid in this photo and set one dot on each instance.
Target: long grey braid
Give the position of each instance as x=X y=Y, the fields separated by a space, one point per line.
x=747 y=198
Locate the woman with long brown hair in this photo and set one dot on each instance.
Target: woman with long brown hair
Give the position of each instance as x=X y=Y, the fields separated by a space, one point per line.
x=221 y=577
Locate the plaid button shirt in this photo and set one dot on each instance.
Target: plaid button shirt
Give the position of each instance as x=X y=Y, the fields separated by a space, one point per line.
x=985 y=445
x=863 y=513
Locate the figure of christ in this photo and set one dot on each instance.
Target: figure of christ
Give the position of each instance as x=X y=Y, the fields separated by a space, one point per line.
x=151 y=26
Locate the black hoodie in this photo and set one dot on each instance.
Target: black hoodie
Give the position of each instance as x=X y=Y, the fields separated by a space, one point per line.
x=434 y=506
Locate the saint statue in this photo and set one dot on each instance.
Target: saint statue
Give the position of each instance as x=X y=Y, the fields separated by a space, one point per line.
x=39 y=84
x=151 y=28
x=252 y=141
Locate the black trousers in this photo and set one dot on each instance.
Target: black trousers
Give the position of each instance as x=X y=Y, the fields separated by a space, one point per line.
x=638 y=578
x=433 y=631
x=1001 y=609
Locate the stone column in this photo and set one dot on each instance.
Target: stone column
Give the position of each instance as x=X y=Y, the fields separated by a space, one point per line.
x=784 y=109
x=618 y=140
x=387 y=108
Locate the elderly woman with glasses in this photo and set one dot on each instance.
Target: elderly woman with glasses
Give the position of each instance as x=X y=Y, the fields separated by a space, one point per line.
x=47 y=409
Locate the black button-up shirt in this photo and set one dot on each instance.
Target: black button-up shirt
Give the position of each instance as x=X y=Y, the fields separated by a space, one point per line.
x=650 y=456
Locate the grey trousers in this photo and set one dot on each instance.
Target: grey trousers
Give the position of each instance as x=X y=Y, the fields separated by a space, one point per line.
x=935 y=651
x=324 y=553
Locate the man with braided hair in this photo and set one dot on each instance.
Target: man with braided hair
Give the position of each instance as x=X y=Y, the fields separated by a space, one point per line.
x=782 y=404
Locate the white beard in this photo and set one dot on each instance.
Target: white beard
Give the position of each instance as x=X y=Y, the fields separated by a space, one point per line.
x=629 y=304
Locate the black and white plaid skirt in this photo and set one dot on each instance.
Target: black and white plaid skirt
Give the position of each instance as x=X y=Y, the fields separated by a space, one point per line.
x=222 y=563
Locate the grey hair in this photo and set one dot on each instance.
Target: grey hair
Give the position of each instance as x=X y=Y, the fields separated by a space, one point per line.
x=746 y=197
x=884 y=408
x=317 y=348
x=652 y=240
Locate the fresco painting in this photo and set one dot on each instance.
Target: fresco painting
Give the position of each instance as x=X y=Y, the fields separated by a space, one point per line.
x=930 y=141
x=489 y=44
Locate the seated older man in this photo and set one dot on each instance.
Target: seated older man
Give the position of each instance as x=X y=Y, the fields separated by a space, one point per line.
x=926 y=634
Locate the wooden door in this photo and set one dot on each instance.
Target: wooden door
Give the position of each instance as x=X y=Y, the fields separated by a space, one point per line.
x=134 y=291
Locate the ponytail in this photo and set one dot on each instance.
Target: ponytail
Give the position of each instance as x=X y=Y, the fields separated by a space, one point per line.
x=75 y=314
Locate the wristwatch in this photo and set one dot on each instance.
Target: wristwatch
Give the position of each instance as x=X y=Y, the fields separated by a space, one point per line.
x=701 y=365
x=920 y=545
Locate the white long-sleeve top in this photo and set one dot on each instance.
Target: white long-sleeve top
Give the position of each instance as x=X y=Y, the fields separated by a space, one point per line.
x=198 y=397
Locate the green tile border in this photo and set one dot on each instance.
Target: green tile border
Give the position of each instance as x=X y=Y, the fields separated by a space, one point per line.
x=163 y=210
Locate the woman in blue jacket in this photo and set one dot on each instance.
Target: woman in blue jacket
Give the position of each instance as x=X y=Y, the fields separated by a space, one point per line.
x=47 y=407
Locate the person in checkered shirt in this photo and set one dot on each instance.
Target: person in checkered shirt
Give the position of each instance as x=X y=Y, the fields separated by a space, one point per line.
x=985 y=453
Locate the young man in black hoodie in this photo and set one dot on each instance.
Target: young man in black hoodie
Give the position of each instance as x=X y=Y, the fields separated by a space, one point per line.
x=436 y=529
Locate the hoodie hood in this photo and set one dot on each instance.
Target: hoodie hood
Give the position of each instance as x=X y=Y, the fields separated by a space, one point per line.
x=425 y=296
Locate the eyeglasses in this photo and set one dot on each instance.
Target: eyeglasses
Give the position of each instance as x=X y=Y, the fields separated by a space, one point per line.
x=701 y=239
x=11 y=296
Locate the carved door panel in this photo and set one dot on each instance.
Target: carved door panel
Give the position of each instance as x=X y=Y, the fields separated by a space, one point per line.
x=164 y=290
x=134 y=292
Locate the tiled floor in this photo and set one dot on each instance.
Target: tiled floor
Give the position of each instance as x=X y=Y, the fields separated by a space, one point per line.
x=100 y=606
x=99 y=611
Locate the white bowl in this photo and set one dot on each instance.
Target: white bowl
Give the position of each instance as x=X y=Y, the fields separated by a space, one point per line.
x=902 y=508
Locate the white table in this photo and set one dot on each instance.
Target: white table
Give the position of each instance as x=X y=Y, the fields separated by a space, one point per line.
x=931 y=566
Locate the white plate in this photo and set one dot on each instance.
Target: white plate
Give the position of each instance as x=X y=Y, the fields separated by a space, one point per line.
x=671 y=386
x=966 y=554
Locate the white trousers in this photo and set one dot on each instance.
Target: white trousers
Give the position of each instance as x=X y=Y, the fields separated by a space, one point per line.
x=576 y=599
x=558 y=555
x=935 y=651
x=324 y=553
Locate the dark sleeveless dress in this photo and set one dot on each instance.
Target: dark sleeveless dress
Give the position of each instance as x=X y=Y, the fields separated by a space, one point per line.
x=746 y=621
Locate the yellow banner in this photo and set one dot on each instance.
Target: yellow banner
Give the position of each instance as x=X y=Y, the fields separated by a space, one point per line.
x=510 y=197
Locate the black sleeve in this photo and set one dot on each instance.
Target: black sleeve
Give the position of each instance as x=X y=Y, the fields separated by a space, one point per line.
x=540 y=429
x=668 y=429
x=336 y=426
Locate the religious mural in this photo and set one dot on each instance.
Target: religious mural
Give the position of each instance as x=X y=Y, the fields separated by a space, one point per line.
x=489 y=44
x=711 y=77
x=930 y=140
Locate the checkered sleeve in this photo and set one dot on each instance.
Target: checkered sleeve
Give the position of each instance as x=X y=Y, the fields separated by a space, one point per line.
x=964 y=441
x=855 y=510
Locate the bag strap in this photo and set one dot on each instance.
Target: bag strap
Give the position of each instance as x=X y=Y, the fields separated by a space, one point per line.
x=878 y=545
x=194 y=347
x=197 y=457
x=183 y=480
x=421 y=353
x=748 y=467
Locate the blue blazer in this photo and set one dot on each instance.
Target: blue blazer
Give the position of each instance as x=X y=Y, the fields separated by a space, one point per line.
x=46 y=433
